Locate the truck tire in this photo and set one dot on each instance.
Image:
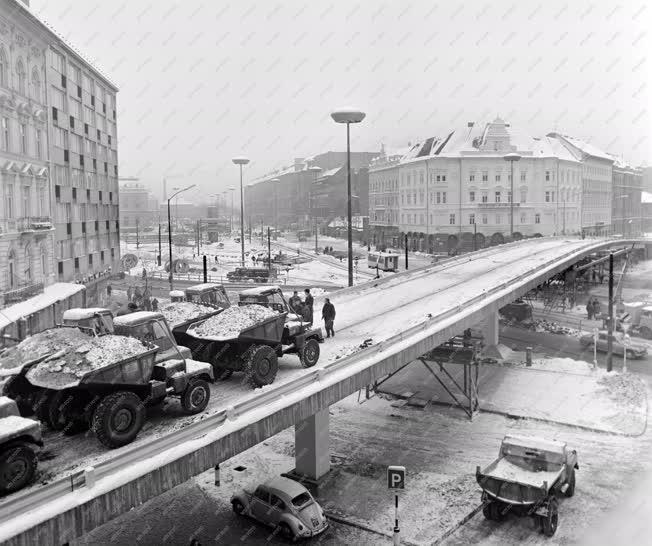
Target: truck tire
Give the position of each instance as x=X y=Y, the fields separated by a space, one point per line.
x=549 y=522
x=570 y=491
x=18 y=389
x=238 y=507
x=261 y=366
x=118 y=418
x=59 y=409
x=17 y=467
x=195 y=397
x=309 y=353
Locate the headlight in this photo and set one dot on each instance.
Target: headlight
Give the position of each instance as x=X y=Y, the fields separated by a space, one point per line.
x=300 y=527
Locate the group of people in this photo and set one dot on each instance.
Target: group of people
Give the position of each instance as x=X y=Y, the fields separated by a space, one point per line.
x=142 y=299
x=593 y=308
x=304 y=308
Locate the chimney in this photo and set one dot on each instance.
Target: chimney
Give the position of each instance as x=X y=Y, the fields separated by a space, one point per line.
x=298 y=163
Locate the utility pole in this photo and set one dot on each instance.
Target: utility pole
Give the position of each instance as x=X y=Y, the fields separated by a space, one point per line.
x=137 y=235
x=316 y=232
x=159 y=243
x=262 y=230
x=406 y=252
x=269 y=250
x=610 y=324
x=249 y=229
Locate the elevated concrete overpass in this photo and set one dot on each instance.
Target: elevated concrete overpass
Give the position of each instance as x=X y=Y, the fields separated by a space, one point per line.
x=400 y=318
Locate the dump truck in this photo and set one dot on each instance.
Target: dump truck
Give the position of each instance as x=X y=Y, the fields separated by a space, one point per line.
x=637 y=319
x=255 y=348
x=526 y=479
x=93 y=320
x=105 y=383
x=209 y=294
x=18 y=438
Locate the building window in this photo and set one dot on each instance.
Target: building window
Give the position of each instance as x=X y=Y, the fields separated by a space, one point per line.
x=497 y=178
x=5 y=134
x=523 y=176
x=27 y=209
x=36 y=86
x=39 y=144
x=438 y=178
x=3 y=67
x=552 y=196
x=60 y=268
x=438 y=197
x=44 y=262
x=537 y=218
x=485 y=197
x=20 y=73
x=471 y=178
x=523 y=196
x=443 y=178
x=9 y=200
x=90 y=259
x=472 y=219
x=523 y=218
x=509 y=196
x=74 y=194
x=547 y=176
x=485 y=176
x=77 y=265
x=102 y=256
x=484 y=218
x=472 y=196
x=547 y=197
x=499 y=219
x=23 y=138
x=443 y=197
x=451 y=219
x=497 y=197
x=11 y=271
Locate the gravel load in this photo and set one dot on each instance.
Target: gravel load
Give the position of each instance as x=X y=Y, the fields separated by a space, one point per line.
x=66 y=366
x=39 y=345
x=230 y=322
x=178 y=312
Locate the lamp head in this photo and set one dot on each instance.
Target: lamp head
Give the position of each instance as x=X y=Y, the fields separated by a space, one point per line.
x=512 y=157
x=240 y=160
x=348 y=115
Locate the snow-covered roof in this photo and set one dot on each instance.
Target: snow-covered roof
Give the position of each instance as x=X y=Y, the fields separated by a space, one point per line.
x=81 y=313
x=51 y=294
x=646 y=197
x=330 y=172
x=136 y=318
x=177 y=293
x=257 y=291
x=535 y=442
x=583 y=146
x=203 y=286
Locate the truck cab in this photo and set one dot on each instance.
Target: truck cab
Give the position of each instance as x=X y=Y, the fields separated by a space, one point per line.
x=151 y=326
x=210 y=294
x=272 y=296
x=94 y=320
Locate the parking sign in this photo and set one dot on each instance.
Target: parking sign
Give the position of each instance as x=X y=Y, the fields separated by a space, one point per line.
x=396 y=477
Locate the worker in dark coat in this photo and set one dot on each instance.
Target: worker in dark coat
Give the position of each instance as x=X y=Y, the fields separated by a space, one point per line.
x=131 y=308
x=308 y=302
x=328 y=314
x=295 y=303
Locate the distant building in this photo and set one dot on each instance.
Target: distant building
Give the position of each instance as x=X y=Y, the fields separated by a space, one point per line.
x=647 y=179
x=384 y=206
x=289 y=202
x=626 y=214
x=138 y=207
x=646 y=211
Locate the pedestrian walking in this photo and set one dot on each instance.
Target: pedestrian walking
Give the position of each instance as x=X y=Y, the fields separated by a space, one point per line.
x=328 y=315
x=589 y=309
x=154 y=304
x=309 y=302
x=109 y=288
x=130 y=293
x=596 y=308
x=295 y=303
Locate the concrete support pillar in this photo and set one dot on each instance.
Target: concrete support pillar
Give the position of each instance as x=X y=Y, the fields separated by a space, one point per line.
x=490 y=329
x=312 y=453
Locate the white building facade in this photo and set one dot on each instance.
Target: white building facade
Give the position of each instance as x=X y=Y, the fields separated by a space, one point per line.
x=26 y=228
x=384 y=206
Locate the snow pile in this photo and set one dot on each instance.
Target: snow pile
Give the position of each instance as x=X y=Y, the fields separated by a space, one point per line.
x=555 y=328
x=38 y=346
x=68 y=365
x=626 y=390
x=178 y=312
x=564 y=365
x=230 y=322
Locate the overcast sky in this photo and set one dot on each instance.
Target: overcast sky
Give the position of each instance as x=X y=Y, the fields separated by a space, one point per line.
x=203 y=81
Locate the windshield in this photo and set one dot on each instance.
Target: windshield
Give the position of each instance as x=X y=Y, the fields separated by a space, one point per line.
x=300 y=500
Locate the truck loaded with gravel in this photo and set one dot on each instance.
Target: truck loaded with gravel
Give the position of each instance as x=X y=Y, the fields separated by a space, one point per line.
x=102 y=382
x=18 y=438
x=251 y=337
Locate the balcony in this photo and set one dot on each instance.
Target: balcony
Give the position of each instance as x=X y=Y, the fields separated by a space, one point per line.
x=34 y=223
x=21 y=293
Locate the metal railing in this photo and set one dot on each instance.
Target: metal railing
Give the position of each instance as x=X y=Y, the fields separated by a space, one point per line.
x=204 y=431
x=23 y=292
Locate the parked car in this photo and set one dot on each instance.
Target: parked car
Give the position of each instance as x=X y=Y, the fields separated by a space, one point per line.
x=284 y=504
x=634 y=350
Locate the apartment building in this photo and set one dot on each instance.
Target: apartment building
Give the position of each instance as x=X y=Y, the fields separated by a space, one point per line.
x=384 y=207
x=26 y=229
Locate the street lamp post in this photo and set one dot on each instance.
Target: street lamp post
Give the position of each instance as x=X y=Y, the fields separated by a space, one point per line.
x=511 y=158
x=348 y=116
x=275 y=182
x=170 y=232
x=241 y=161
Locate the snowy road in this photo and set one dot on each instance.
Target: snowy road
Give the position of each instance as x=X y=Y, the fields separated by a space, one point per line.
x=374 y=311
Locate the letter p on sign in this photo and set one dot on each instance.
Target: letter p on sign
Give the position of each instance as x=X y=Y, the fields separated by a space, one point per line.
x=396 y=477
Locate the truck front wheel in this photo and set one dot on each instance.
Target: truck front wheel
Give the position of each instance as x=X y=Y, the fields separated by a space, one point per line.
x=309 y=353
x=195 y=397
x=550 y=521
x=118 y=418
x=261 y=366
x=17 y=467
